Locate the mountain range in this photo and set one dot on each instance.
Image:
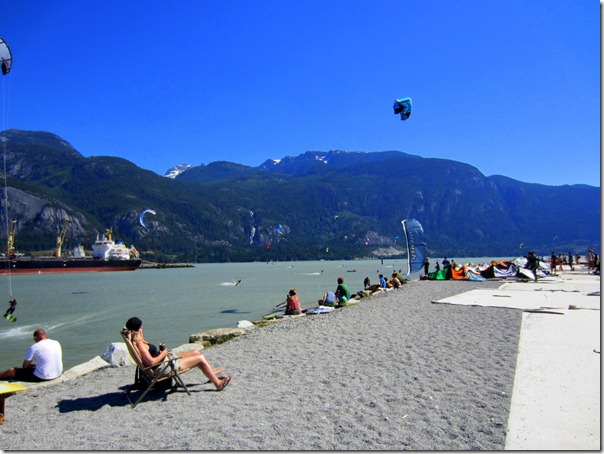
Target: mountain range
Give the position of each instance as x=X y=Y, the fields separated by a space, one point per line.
x=318 y=205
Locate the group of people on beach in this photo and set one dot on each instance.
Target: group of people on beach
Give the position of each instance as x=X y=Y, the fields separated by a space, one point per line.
x=592 y=260
x=342 y=295
x=44 y=359
x=338 y=298
x=556 y=262
x=446 y=263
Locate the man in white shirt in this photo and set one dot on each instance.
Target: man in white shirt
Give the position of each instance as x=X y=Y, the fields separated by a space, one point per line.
x=43 y=361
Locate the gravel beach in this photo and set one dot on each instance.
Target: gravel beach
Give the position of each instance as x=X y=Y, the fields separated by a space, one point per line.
x=393 y=372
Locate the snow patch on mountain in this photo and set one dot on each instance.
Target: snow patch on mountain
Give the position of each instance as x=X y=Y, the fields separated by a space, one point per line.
x=177 y=170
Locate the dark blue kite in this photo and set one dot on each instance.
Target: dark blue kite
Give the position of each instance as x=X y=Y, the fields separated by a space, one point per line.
x=403 y=107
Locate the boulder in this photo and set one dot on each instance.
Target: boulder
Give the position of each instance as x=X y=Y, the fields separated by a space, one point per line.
x=117 y=355
x=245 y=324
x=215 y=336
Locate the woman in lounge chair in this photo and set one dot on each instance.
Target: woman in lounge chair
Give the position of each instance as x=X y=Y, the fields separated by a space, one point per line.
x=152 y=355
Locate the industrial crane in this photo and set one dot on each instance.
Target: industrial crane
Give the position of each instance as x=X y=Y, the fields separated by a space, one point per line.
x=11 y=240
x=61 y=239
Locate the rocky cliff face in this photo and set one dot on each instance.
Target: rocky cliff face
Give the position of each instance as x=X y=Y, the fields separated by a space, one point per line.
x=39 y=215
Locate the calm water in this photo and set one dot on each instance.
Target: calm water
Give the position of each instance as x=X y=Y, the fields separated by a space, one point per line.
x=86 y=311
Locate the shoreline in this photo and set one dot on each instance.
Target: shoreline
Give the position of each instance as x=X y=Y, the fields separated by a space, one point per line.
x=392 y=372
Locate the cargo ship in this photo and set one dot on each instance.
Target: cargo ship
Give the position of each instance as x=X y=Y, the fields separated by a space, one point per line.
x=107 y=255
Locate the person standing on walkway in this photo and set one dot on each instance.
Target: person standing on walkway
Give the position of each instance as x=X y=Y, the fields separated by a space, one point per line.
x=532 y=263
x=590 y=260
x=570 y=261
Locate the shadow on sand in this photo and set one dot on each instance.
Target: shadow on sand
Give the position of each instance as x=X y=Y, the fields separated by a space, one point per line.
x=115 y=399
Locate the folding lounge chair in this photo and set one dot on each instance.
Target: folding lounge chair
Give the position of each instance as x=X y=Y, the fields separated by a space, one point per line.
x=147 y=377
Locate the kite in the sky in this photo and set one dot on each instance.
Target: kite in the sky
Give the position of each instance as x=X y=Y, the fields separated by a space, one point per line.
x=403 y=107
x=141 y=218
x=6 y=59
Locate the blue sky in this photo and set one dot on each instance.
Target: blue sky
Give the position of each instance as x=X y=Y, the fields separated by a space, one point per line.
x=510 y=87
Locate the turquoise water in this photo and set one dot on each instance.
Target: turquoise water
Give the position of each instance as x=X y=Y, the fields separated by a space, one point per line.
x=85 y=311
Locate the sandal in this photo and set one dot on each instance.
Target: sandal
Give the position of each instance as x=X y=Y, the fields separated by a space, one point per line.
x=225 y=382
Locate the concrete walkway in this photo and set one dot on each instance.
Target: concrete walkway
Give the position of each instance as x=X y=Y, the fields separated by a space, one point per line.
x=556 y=397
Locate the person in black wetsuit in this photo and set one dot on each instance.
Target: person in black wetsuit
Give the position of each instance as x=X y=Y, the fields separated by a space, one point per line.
x=11 y=309
x=532 y=263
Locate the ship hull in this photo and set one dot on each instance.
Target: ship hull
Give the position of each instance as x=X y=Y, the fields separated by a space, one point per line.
x=59 y=265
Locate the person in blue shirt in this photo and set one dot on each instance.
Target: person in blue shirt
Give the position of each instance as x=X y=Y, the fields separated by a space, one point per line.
x=329 y=299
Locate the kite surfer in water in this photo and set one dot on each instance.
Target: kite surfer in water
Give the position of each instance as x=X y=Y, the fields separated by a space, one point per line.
x=9 y=312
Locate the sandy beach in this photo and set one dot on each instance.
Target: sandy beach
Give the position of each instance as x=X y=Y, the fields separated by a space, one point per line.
x=393 y=372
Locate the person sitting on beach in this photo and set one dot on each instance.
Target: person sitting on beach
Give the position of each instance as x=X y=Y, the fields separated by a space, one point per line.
x=293 y=306
x=399 y=276
x=383 y=282
x=366 y=283
x=151 y=355
x=329 y=299
x=48 y=357
x=394 y=281
x=292 y=303
x=342 y=292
